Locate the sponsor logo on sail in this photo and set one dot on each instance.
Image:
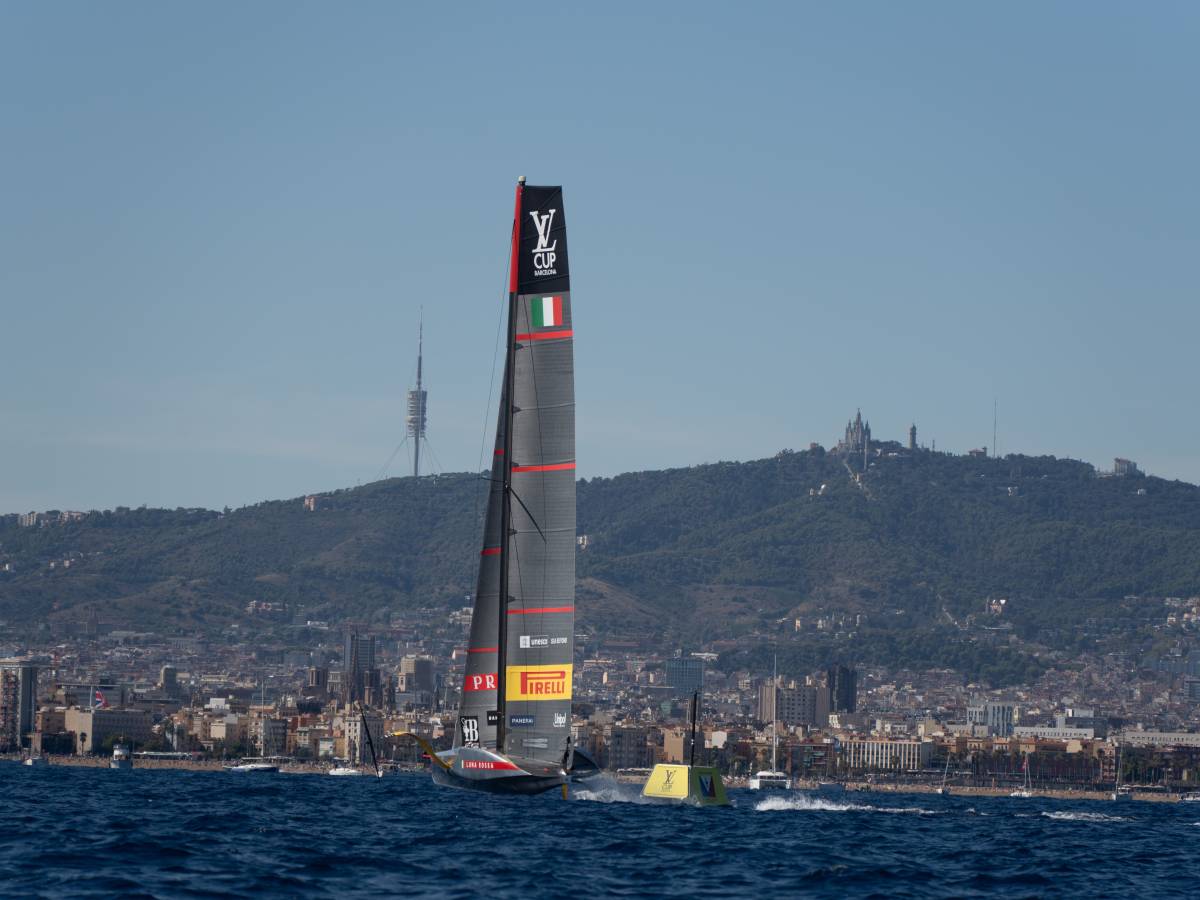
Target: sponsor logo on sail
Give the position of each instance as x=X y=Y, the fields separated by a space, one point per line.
x=493 y=717
x=543 y=254
x=521 y=721
x=470 y=731
x=539 y=682
x=560 y=720
x=483 y=682
x=536 y=743
x=533 y=641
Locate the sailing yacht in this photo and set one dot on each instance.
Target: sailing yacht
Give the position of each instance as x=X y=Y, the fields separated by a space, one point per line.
x=774 y=779
x=945 y=773
x=513 y=733
x=1025 y=790
x=1120 y=792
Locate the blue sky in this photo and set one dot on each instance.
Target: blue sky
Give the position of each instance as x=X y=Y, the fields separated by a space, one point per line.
x=218 y=224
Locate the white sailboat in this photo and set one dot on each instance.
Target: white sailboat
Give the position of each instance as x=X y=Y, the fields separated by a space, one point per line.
x=943 y=789
x=774 y=779
x=1026 y=790
x=1119 y=792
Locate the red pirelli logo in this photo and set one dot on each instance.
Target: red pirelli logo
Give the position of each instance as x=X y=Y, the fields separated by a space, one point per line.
x=539 y=682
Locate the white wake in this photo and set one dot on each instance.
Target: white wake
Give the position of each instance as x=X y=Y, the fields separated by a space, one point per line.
x=805 y=803
x=1084 y=817
x=605 y=789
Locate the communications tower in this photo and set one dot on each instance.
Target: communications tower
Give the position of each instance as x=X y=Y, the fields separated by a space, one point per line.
x=415 y=419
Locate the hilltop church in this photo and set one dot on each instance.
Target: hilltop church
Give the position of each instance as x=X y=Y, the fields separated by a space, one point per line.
x=857 y=440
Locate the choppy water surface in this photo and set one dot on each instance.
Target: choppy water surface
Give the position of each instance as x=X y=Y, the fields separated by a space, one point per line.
x=94 y=832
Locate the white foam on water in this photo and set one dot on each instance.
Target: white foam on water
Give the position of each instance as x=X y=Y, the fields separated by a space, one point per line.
x=603 y=789
x=805 y=803
x=1063 y=816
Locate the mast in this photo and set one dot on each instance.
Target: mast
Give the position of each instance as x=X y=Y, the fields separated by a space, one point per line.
x=775 y=712
x=506 y=485
x=695 y=711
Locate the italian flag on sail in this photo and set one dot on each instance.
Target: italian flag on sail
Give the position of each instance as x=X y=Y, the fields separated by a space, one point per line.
x=545 y=312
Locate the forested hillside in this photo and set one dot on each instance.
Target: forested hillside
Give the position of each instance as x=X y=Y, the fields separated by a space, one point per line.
x=714 y=551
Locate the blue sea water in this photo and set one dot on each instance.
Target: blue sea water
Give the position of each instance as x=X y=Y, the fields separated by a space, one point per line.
x=77 y=832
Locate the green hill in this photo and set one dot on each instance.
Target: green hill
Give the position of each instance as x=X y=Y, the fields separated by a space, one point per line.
x=725 y=551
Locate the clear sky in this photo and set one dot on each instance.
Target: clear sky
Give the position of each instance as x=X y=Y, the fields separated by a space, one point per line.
x=218 y=223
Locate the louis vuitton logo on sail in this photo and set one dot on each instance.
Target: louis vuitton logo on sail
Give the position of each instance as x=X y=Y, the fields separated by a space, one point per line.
x=543 y=254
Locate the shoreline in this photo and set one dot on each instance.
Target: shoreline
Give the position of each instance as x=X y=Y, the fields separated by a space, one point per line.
x=852 y=787
x=188 y=765
x=814 y=787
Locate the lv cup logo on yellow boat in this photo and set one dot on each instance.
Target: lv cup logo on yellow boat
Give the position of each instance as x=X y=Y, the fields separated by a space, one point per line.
x=538 y=682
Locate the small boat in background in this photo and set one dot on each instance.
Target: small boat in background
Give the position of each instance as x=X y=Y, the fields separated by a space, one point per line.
x=1120 y=791
x=1025 y=791
x=35 y=760
x=345 y=770
x=251 y=764
x=774 y=779
x=945 y=772
x=121 y=757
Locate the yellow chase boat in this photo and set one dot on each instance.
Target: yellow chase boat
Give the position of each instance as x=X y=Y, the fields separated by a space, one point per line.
x=695 y=785
x=690 y=784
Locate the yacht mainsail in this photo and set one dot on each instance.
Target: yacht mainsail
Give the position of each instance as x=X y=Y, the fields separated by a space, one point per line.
x=514 y=725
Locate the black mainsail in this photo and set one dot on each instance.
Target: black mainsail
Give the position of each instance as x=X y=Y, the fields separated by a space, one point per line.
x=514 y=725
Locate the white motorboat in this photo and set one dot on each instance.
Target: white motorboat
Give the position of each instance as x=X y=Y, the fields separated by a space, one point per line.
x=764 y=781
x=121 y=757
x=247 y=765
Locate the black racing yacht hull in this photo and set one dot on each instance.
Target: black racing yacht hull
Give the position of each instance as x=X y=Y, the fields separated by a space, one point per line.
x=513 y=784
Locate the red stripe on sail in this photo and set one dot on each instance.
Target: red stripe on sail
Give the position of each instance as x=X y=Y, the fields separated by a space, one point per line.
x=546 y=335
x=557 y=310
x=541 y=609
x=499 y=451
x=554 y=467
x=489 y=551
x=484 y=650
